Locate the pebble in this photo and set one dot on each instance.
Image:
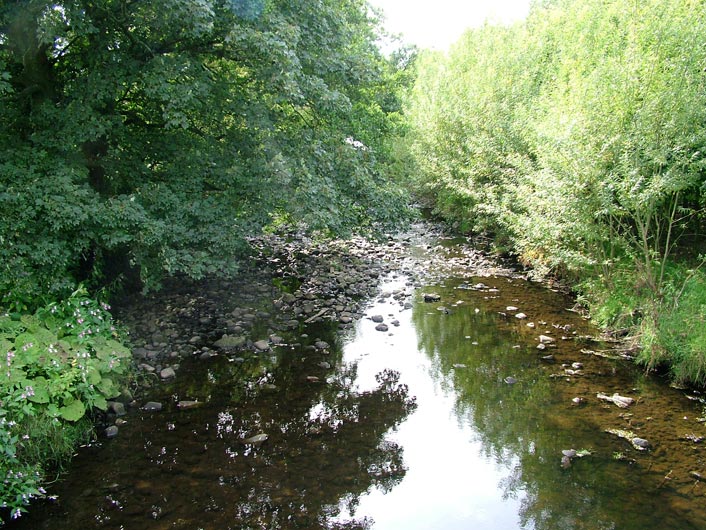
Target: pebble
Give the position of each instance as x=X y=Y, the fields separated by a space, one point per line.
x=167 y=373
x=111 y=432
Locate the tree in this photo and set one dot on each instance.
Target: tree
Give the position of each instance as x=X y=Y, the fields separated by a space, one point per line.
x=156 y=136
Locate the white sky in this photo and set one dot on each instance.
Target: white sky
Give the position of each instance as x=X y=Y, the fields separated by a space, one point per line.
x=438 y=23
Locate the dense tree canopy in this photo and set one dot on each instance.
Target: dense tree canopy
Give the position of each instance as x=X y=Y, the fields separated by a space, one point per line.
x=158 y=135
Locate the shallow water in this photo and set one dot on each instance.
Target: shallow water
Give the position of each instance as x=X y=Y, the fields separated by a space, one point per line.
x=415 y=428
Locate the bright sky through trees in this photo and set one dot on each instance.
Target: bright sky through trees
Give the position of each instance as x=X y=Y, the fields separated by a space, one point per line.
x=438 y=23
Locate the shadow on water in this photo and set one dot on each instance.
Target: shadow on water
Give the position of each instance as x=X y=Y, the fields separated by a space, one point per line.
x=456 y=417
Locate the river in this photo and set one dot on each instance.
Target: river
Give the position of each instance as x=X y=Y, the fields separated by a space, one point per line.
x=479 y=409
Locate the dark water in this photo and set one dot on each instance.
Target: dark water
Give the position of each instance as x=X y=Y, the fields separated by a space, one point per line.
x=415 y=428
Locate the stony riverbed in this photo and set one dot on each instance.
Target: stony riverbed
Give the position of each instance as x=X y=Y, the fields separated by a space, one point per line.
x=241 y=382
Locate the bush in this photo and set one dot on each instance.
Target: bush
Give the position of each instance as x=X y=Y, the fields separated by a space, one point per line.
x=57 y=365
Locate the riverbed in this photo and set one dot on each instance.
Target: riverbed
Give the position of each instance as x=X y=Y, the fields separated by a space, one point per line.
x=452 y=393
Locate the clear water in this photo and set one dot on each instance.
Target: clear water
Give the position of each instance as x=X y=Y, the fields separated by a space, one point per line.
x=419 y=427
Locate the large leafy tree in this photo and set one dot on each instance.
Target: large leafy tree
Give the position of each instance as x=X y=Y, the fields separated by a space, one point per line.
x=157 y=135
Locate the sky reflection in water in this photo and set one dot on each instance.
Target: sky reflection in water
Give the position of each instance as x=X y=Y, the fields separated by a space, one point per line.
x=449 y=482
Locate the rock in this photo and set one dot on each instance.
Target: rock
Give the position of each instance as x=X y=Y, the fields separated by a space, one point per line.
x=117 y=408
x=545 y=339
x=111 y=432
x=188 y=404
x=167 y=373
x=510 y=380
x=459 y=365
x=258 y=439
x=152 y=406
x=521 y=316
x=395 y=323
x=229 y=342
x=377 y=318
x=431 y=297
x=346 y=320
x=640 y=443
x=541 y=346
x=322 y=345
x=381 y=327
x=620 y=401
x=511 y=308
x=571 y=453
x=262 y=345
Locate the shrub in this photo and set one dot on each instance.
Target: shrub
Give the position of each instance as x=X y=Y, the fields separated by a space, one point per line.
x=57 y=364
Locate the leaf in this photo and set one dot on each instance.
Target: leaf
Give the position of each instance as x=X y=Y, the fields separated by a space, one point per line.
x=106 y=349
x=41 y=390
x=100 y=403
x=93 y=376
x=107 y=387
x=74 y=411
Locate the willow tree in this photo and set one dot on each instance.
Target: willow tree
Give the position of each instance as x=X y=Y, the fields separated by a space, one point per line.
x=578 y=138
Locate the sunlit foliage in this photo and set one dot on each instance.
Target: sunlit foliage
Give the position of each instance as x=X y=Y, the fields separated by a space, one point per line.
x=577 y=138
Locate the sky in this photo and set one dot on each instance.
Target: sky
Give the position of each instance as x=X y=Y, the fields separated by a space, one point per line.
x=437 y=24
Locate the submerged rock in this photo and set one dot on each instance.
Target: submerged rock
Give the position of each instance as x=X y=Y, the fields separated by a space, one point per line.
x=431 y=297
x=618 y=400
x=258 y=439
x=188 y=404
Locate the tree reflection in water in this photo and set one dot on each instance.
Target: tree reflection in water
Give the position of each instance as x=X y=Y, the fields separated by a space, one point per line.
x=524 y=426
x=325 y=447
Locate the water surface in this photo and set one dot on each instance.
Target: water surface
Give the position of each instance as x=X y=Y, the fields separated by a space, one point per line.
x=453 y=418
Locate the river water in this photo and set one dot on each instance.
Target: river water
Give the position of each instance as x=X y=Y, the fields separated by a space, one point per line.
x=453 y=418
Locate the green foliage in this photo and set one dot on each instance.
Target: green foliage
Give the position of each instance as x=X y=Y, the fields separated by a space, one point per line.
x=57 y=364
x=682 y=331
x=577 y=138
x=156 y=136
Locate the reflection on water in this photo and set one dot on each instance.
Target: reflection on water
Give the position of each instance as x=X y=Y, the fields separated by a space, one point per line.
x=453 y=418
x=484 y=447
